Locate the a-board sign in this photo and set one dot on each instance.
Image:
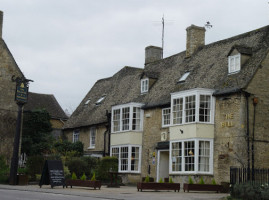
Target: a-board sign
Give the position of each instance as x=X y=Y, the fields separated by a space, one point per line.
x=52 y=174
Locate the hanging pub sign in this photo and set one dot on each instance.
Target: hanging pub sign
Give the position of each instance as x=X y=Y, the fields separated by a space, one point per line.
x=21 y=95
x=52 y=174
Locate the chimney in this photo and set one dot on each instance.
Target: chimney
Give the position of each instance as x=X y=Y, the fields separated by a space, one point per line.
x=195 y=39
x=1 y=23
x=153 y=54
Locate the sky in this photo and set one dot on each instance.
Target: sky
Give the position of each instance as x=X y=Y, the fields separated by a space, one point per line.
x=65 y=46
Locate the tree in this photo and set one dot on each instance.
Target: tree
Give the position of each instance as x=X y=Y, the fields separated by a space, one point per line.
x=37 y=138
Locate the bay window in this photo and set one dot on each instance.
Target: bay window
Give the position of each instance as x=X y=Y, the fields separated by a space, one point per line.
x=192 y=106
x=129 y=157
x=192 y=156
x=127 y=117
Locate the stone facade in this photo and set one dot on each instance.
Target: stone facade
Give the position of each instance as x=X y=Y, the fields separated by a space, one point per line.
x=84 y=137
x=8 y=107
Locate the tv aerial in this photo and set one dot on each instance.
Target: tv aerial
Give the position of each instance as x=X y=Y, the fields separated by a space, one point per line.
x=208 y=25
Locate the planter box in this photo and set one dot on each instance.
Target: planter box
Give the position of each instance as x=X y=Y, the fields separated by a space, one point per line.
x=22 y=179
x=158 y=186
x=81 y=183
x=202 y=187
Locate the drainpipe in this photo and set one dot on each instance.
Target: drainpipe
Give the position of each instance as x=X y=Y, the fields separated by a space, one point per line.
x=108 y=115
x=255 y=102
x=248 y=152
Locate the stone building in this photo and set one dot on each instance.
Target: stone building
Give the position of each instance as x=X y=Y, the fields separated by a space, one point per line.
x=191 y=114
x=50 y=104
x=8 y=107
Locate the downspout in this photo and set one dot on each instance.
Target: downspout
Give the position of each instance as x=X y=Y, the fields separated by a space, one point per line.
x=108 y=128
x=248 y=153
x=104 y=153
x=255 y=102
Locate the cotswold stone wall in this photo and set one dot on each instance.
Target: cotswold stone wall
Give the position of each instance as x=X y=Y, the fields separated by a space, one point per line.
x=84 y=137
x=8 y=107
x=230 y=144
x=151 y=136
x=259 y=88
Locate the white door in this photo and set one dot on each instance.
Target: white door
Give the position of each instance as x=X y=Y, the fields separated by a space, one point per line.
x=163 y=165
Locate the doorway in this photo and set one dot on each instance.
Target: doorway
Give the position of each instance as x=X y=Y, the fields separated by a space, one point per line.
x=163 y=165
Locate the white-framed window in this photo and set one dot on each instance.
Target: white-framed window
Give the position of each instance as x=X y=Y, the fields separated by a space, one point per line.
x=191 y=106
x=92 y=137
x=234 y=64
x=144 y=85
x=129 y=157
x=127 y=117
x=75 y=136
x=193 y=156
x=166 y=116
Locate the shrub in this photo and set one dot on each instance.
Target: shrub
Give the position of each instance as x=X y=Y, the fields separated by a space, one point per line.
x=106 y=164
x=67 y=173
x=74 y=176
x=147 y=179
x=77 y=165
x=190 y=180
x=92 y=164
x=4 y=170
x=93 y=177
x=83 y=177
x=161 y=180
x=214 y=182
x=34 y=166
x=171 y=180
x=201 y=181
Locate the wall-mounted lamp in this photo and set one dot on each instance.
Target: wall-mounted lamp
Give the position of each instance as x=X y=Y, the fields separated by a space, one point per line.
x=181 y=131
x=255 y=101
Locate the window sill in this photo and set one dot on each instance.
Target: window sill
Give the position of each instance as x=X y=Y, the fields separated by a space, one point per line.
x=190 y=173
x=91 y=148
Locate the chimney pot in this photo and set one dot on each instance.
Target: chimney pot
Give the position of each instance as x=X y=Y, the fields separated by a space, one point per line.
x=152 y=54
x=195 y=39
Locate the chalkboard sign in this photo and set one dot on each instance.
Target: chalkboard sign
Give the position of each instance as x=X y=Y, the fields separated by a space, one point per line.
x=53 y=174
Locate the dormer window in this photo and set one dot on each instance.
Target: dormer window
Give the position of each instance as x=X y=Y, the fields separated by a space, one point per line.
x=144 y=85
x=184 y=77
x=234 y=64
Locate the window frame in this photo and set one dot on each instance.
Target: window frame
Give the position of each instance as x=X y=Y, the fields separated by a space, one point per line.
x=128 y=126
x=144 y=85
x=164 y=115
x=183 y=111
x=93 y=130
x=196 y=156
x=76 y=136
x=129 y=159
x=233 y=64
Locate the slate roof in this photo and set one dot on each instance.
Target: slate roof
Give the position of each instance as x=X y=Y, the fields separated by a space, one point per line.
x=45 y=101
x=208 y=68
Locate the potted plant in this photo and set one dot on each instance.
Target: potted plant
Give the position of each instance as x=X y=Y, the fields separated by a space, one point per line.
x=83 y=182
x=22 y=176
x=201 y=186
x=158 y=186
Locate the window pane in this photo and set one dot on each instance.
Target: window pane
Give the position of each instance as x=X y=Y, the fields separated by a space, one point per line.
x=176 y=156
x=204 y=155
x=116 y=120
x=115 y=152
x=177 y=110
x=204 y=109
x=136 y=118
x=92 y=137
x=124 y=158
x=189 y=155
x=190 y=108
x=125 y=118
x=166 y=117
x=134 y=158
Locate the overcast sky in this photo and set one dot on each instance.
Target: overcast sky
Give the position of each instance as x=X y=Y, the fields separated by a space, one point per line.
x=65 y=46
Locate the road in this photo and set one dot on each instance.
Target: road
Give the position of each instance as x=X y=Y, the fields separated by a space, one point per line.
x=30 y=195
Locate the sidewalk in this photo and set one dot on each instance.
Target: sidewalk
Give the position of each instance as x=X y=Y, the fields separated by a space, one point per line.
x=124 y=192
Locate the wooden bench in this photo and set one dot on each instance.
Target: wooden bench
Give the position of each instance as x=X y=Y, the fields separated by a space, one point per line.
x=158 y=186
